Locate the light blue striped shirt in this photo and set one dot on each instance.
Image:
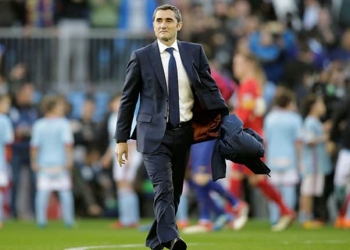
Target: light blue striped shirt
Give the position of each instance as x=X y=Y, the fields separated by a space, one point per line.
x=50 y=136
x=282 y=129
x=6 y=137
x=315 y=159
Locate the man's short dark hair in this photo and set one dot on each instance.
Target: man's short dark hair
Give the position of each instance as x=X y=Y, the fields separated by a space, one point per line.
x=169 y=7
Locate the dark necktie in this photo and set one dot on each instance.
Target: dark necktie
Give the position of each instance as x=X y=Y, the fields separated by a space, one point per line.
x=174 y=111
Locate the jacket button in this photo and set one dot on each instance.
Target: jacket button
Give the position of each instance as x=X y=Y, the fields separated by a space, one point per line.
x=165 y=117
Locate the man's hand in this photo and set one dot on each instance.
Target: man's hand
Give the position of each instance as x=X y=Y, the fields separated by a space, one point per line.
x=120 y=150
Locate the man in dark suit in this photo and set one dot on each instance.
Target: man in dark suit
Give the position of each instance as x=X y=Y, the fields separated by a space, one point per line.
x=179 y=104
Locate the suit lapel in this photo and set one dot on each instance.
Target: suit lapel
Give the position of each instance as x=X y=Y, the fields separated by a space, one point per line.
x=156 y=61
x=187 y=61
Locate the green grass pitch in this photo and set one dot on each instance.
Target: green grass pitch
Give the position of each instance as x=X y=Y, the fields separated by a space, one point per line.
x=96 y=234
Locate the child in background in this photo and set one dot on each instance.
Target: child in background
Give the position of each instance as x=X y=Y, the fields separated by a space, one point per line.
x=52 y=159
x=315 y=159
x=6 y=137
x=128 y=202
x=282 y=130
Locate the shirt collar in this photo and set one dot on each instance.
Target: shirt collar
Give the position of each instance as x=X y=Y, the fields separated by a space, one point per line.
x=162 y=47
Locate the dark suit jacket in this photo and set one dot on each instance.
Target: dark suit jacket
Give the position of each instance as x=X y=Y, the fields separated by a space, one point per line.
x=243 y=146
x=145 y=79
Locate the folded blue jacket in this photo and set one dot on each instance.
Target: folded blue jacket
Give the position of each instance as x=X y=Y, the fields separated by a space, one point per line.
x=243 y=146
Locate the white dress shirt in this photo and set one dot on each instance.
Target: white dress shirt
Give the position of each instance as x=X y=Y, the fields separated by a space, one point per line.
x=185 y=93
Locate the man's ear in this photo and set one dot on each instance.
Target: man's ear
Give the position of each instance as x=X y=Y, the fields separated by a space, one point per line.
x=179 y=26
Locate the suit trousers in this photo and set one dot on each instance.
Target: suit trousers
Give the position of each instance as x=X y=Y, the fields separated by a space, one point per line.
x=166 y=169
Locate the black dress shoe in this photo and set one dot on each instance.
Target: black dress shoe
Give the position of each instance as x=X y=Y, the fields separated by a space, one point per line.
x=158 y=248
x=178 y=244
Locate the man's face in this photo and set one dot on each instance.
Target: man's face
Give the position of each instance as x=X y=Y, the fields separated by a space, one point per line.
x=166 y=26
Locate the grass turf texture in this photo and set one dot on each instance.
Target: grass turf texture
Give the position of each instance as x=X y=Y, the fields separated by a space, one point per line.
x=256 y=235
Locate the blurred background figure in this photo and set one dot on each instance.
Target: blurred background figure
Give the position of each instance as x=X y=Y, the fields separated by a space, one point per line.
x=85 y=131
x=341 y=134
x=23 y=114
x=51 y=157
x=250 y=107
x=315 y=162
x=72 y=17
x=212 y=215
x=128 y=201
x=282 y=131
x=6 y=137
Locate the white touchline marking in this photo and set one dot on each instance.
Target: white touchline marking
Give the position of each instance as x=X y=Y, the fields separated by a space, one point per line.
x=114 y=246
x=309 y=242
x=105 y=246
x=325 y=242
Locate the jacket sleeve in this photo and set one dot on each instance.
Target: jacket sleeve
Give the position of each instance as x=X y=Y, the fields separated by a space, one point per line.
x=129 y=99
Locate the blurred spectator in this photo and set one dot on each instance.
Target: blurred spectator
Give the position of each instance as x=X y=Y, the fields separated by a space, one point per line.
x=134 y=17
x=342 y=53
x=341 y=12
x=282 y=130
x=303 y=64
x=104 y=13
x=17 y=77
x=40 y=13
x=85 y=202
x=23 y=114
x=84 y=130
x=225 y=84
x=51 y=155
x=287 y=12
x=6 y=137
x=311 y=12
x=241 y=18
x=325 y=32
x=273 y=45
x=12 y=13
x=201 y=29
x=267 y=10
x=331 y=85
x=222 y=39
x=100 y=195
x=340 y=133
x=72 y=17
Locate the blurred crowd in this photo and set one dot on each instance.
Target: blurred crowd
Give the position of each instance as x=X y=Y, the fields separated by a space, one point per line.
x=296 y=53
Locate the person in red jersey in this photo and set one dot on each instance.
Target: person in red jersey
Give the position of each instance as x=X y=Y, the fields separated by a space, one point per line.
x=250 y=107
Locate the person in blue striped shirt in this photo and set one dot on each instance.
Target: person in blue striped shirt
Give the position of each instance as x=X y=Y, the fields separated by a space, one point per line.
x=6 y=137
x=52 y=160
x=282 y=130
